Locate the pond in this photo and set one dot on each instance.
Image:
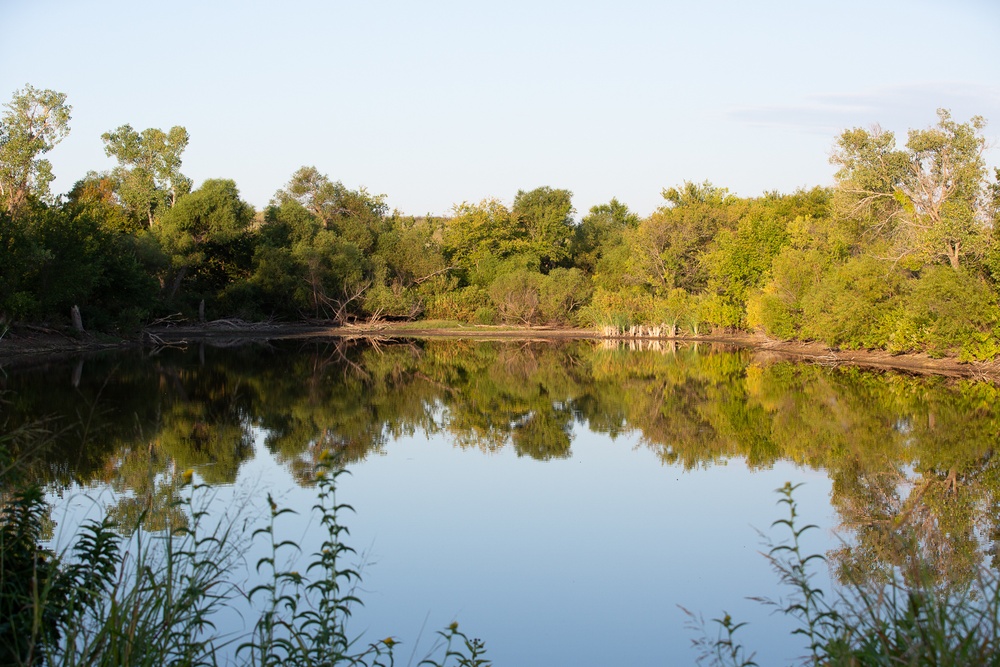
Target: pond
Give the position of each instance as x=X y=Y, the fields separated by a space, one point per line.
x=563 y=502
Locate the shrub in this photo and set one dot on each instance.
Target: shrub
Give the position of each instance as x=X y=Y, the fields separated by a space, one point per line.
x=461 y=304
x=515 y=296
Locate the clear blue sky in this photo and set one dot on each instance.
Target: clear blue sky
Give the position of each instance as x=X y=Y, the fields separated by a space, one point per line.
x=434 y=103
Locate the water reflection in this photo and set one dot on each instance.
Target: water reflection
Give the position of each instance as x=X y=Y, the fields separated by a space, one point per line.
x=911 y=459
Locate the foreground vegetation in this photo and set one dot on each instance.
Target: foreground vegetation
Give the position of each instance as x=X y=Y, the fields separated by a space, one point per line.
x=152 y=599
x=902 y=254
x=894 y=622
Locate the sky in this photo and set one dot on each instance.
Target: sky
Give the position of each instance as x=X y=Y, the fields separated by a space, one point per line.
x=433 y=103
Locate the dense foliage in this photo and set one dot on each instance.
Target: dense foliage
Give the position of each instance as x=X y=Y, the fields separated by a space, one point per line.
x=902 y=253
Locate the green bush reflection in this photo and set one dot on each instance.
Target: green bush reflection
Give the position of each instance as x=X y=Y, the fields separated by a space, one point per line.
x=911 y=458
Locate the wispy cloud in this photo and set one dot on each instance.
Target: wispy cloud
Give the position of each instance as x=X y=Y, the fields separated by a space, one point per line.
x=893 y=107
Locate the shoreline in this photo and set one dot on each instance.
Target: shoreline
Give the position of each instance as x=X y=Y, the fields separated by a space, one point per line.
x=28 y=346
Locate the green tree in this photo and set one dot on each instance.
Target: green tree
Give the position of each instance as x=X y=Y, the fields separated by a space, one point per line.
x=561 y=293
x=515 y=295
x=854 y=304
x=601 y=229
x=20 y=256
x=928 y=201
x=665 y=250
x=407 y=260
x=202 y=235
x=354 y=214
x=950 y=310
x=740 y=259
x=479 y=235
x=33 y=123
x=148 y=172
x=546 y=217
x=316 y=193
x=777 y=308
x=334 y=276
x=94 y=196
x=301 y=268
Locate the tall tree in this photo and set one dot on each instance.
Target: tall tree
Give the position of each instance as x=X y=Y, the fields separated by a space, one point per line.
x=479 y=234
x=201 y=233
x=600 y=229
x=546 y=216
x=927 y=201
x=355 y=215
x=35 y=121
x=666 y=249
x=94 y=196
x=148 y=172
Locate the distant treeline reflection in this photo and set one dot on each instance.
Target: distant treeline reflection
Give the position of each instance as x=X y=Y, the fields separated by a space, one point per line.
x=911 y=458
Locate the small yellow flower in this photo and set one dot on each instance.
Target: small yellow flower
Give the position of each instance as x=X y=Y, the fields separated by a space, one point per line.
x=454 y=626
x=187 y=476
x=320 y=474
x=389 y=642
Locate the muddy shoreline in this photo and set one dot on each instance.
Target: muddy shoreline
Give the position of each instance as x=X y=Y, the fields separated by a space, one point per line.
x=29 y=346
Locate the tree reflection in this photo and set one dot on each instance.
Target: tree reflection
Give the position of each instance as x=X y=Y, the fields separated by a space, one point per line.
x=911 y=459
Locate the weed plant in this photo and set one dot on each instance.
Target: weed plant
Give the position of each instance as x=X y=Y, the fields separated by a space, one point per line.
x=153 y=601
x=865 y=622
x=148 y=603
x=303 y=622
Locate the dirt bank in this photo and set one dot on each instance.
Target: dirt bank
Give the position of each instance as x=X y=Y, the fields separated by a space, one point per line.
x=29 y=345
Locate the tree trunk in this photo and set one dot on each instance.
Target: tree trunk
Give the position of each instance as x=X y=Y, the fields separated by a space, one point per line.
x=77 y=320
x=177 y=282
x=953 y=258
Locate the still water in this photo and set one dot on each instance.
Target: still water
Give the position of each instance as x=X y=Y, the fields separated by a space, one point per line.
x=562 y=502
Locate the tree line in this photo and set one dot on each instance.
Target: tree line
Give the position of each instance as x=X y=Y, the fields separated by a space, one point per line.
x=901 y=253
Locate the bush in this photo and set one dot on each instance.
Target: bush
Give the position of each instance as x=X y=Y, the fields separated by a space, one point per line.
x=950 y=310
x=461 y=304
x=621 y=309
x=515 y=296
x=561 y=294
x=768 y=313
x=853 y=305
x=395 y=301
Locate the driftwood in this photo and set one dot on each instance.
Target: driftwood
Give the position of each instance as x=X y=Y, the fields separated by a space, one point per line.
x=175 y=318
